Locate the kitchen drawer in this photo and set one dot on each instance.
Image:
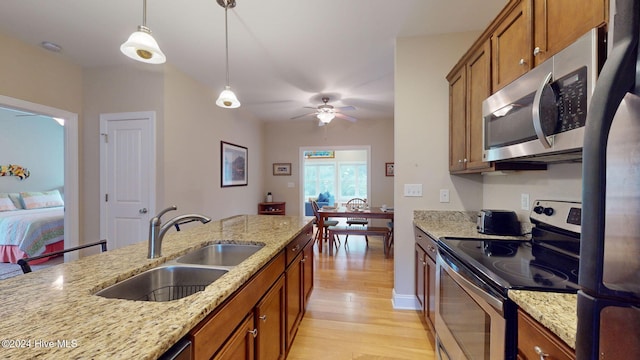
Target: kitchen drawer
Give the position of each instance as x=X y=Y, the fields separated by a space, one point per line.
x=534 y=340
x=426 y=242
x=296 y=245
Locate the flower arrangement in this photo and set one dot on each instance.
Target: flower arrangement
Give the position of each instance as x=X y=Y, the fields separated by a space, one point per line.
x=14 y=170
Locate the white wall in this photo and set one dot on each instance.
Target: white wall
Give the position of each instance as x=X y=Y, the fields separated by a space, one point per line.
x=35 y=143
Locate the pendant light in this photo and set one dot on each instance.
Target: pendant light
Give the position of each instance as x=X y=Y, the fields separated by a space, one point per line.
x=141 y=46
x=227 y=98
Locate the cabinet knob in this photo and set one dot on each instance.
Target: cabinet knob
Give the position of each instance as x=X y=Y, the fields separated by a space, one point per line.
x=304 y=259
x=465 y=160
x=460 y=161
x=522 y=62
x=540 y=353
x=295 y=249
x=263 y=317
x=537 y=51
x=254 y=332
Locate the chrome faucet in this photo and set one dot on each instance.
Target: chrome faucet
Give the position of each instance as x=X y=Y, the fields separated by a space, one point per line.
x=157 y=231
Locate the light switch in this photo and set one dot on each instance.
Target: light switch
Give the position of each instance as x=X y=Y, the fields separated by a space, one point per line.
x=291 y=185
x=524 y=201
x=413 y=190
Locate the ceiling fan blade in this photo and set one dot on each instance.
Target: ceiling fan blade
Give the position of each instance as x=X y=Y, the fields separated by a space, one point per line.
x=346 y=117
x=346 y=108
x=310 y=107
x=303 y=115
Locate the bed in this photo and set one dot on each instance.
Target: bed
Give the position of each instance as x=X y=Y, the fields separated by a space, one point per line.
x=30 y=232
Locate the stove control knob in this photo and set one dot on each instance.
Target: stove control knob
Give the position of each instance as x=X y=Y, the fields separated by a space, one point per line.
x=538 y=209
x=548 y=211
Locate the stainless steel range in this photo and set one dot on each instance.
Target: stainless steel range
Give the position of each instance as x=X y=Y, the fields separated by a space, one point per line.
x=474 y=317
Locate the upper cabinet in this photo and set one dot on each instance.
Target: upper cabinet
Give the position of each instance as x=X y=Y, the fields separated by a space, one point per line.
x=558 y=23
x=523 y=35
x=511 y=44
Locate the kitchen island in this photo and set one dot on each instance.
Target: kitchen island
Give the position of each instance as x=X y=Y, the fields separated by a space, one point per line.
x=54 y=314
x=555 y=311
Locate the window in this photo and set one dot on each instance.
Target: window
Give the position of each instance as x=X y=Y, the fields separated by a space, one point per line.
x=353 y=180
x=319 y=177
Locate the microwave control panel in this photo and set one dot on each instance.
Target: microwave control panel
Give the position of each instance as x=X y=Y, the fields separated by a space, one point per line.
x=571 y=93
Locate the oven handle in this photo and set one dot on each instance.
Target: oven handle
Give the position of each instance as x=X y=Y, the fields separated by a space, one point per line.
x=471 y=288
x=535 y=112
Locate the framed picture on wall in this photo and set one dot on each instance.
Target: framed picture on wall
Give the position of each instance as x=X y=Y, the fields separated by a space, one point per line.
x=388 y=169
x=282 y=169
x=233 y=165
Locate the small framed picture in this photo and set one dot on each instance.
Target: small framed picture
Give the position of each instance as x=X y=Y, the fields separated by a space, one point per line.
x=233 y=165
x=282 y=169
x=388 y=169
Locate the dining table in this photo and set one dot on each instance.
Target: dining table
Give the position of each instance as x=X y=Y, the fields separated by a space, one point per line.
x=343 y=212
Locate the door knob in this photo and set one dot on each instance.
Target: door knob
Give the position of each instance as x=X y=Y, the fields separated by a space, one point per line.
x=143 y=211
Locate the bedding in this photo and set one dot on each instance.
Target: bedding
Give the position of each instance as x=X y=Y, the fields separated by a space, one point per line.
x=25 y=233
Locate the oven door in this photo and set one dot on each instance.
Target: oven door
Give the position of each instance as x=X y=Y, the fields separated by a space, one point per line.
x=470 y=315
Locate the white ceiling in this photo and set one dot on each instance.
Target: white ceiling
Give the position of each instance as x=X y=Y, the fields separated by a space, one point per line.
x=284 y=55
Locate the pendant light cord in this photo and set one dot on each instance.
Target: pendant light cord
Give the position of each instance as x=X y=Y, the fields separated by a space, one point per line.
x=144 y=13
x=226 y=37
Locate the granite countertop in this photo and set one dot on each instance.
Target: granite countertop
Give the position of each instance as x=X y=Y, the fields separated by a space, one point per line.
x=53 y=314
x=556 y=311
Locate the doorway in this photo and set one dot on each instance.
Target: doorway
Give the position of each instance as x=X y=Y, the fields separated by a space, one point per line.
x=71 y=172
x=127 y=177
x=339 y=172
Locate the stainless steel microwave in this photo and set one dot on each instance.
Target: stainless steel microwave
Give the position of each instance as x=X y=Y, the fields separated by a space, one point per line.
x=541 y=115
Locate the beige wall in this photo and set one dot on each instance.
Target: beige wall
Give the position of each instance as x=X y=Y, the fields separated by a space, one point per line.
x=283 y=141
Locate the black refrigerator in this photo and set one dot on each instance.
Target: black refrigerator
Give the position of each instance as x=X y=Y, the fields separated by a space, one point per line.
x=609 y=299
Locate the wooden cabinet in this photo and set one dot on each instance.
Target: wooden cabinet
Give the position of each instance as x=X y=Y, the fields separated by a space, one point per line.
x=299 y=281
x=425 y=271
x=272 y=208
x=534 y=340
x=253 y=322
x=270 y=324
x=556 y=24
x=468 y=88
x=511 y=44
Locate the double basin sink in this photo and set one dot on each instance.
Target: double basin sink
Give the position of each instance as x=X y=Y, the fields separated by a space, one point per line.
x=183 y=276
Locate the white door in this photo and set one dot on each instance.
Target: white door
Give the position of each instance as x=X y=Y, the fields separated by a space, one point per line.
x=127 y=179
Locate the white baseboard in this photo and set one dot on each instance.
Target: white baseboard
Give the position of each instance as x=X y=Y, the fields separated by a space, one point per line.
x=404 y=302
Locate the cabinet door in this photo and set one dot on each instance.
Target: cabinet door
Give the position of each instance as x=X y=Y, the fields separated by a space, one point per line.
x=478 y=89
x=457 y=121
x=420 y=282
x=294 y=291
x=559 y=23
x=430 y=288
x=241 y=343
x=270 y=343
x=511 y=46
x=307 y=271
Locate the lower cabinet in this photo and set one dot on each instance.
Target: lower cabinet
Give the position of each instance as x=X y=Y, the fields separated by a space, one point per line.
x=536 y=342
x=259 y=321
x=425 y=275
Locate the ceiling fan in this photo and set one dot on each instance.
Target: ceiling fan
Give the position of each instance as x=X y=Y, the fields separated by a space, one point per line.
x=325 y=112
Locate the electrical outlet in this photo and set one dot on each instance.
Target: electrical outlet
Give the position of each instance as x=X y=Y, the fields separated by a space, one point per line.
x=524 y=201
x=444 y=195
x=413 y=190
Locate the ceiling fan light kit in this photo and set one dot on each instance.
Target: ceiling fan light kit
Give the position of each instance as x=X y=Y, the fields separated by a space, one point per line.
x=227 y=98
x=325 y=112
x=326 y=116
x=141 y=45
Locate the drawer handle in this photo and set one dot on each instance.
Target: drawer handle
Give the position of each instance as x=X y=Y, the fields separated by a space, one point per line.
x=263 y=317
x=295 y=249
x=539 y=352
x=254 y=332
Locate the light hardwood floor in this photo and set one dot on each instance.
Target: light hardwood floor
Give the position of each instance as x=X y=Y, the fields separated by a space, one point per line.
x=350 y=315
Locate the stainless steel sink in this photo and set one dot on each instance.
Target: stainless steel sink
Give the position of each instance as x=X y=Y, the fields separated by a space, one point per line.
x=220 y=254
x=164 y=283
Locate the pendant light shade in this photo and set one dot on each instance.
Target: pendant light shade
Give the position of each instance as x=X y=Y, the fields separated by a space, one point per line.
x=141 y=46
x=227 y=98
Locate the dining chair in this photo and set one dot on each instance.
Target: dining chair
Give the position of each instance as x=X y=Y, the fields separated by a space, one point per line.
x=356 y=204
x=26 y=268
x=327 y=223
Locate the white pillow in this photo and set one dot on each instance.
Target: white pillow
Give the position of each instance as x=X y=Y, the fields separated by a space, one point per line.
x=36 y=200
x=6 y=204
